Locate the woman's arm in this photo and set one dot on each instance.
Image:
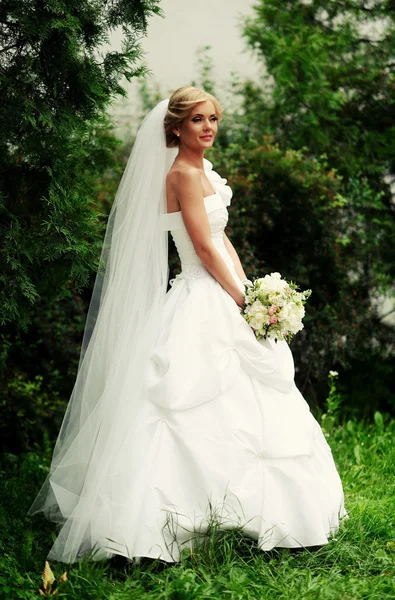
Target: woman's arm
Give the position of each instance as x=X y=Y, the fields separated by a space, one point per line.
x=235 y=257
x=189 y=191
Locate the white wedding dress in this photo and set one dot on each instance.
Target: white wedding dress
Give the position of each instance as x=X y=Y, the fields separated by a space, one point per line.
x=224 y=432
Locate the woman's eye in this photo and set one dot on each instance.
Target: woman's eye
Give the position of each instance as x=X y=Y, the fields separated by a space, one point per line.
x=197 y=119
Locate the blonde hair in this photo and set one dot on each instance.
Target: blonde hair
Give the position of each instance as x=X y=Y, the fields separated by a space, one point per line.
x=181 y=104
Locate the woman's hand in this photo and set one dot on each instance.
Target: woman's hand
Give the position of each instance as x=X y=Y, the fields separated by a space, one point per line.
x=239 y=298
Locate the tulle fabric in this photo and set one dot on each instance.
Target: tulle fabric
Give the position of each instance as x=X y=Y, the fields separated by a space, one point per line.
x=222 y=432
x=121 y=329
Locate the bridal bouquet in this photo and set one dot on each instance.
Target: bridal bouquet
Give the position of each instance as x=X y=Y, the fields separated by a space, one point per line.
x=274 y=308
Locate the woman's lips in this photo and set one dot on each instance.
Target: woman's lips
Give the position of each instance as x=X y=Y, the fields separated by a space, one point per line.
x=207 y=137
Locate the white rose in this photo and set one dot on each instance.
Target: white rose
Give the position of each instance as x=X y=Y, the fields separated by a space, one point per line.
x=258 y=313
x=274 y=284
x=298 y=311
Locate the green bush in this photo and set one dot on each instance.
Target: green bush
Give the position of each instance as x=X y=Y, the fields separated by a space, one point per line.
x=37 y=372
x=59 y=77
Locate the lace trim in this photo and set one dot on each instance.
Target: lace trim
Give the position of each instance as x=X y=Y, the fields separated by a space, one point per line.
x=191 y=273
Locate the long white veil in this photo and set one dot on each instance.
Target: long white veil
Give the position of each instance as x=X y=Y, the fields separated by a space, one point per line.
x=120 y=332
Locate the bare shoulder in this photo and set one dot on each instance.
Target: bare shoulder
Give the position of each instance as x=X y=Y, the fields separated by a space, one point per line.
x=184 y=180
x=187 y=193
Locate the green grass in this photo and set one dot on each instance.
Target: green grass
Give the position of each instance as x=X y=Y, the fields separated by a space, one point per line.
x=358 y=564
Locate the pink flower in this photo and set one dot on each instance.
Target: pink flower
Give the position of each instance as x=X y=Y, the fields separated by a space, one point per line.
x=272 y=309
x=273 y=320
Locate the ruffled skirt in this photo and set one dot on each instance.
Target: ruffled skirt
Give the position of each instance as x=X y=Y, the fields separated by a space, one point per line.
x=224 y=435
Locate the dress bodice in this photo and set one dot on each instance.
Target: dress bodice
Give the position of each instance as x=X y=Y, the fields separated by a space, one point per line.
x=216 y=209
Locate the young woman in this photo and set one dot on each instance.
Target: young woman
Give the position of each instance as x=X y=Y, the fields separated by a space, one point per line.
x=178 y=414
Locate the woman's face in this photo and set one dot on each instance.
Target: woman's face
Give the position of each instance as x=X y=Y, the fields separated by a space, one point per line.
x=198 y=131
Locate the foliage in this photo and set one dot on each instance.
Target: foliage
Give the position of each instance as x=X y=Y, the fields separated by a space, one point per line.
x=57 y=80
x=329 y=89
x=37 y=369
x=358 y=563
x=329 y=81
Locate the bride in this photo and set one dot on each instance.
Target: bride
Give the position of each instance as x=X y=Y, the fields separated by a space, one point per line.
x=178 y=415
